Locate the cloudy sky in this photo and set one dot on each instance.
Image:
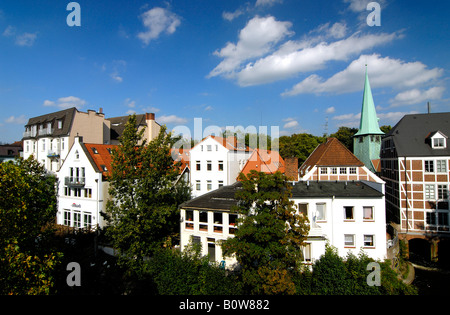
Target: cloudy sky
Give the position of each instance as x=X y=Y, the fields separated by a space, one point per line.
x=295 y=64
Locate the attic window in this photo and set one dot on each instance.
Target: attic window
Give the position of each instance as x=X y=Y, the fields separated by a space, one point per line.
x=109 y=150
x=94 y=150
x=439 y=143
x=104 y=168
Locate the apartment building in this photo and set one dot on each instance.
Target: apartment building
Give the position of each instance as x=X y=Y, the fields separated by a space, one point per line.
x=415 y=163
x=216 y=162
x=146 y=121
x=347 y=215
x=49 y=137
x=83 y=186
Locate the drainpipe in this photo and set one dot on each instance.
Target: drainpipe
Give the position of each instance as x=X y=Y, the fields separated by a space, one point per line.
x=406 y=189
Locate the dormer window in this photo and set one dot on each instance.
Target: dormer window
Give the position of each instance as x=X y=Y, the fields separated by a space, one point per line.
x=438 y=143
x=438 y=140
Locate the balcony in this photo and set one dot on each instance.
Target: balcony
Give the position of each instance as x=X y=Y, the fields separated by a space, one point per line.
x=45 y=131
x=74 y=181
x=29 y=134
x=53 y=154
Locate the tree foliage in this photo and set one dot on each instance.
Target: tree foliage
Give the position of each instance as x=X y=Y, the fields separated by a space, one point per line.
x=268 y=243
x=27 y=209
x=143 y=209
x=299 y=145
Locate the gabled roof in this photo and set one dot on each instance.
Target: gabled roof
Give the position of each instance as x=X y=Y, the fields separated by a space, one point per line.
x=331 y=153
x=411 y=132
x=99 y=155
x=264 y=161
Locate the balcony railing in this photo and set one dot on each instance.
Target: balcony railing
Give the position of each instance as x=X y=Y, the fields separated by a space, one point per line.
x=74 y=181
x=53 y=154
x=45 y=132
x=29 y=133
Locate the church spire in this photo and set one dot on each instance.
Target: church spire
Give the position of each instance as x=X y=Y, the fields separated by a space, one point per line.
x=369 y=122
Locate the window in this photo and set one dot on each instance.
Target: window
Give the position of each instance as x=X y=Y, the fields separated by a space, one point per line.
x=220 y=166
x=201 y=148
x=431 y=218
x=429 y=166
x=67 y=218
x=443 y=218
x=352 y=170
x=208 y=185
x=220 y=183
x=429 y=192
x=218 y=221
x=307 y=252
x=303 y=209
x=59 y=124
x=87 y=220
x=442 y=191
x=77 y=155
x=209 y=147
x=77 y=219
x=66 y=191
x=212 y=252
x=368 y=241
x=88 y=193
x=441 y=166
x=321 y=212
x=197 y=185
x=94 y=150
x=342 y=170
x=334 y=170
x=367 y=213
x=348 y=213
x=232 y=223
x=349 y=240
x=323 y=170
x=438 y=143
x=189 y=220
x=208 y=165
x=197 y=165
x=203 y=218
x=104 y=169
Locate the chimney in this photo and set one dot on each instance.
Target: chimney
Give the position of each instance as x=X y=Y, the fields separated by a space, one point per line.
x=100 y=111
x=429 y=107
x=149 y=116
x=291 y=168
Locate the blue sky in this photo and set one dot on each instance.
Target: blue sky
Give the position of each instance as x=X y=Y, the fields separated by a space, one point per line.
x=296 y=64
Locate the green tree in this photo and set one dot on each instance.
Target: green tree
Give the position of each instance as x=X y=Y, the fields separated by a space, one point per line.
x=268 y=243
x=345 y=136
x=299 y=146
x=27 y=211
x=143 y=209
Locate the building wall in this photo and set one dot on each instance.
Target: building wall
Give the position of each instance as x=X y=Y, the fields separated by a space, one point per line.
x=88 y=199
x=340 y=173
x=331 y=229
x=413 y=192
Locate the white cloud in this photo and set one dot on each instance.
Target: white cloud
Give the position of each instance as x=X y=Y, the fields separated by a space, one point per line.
x=290 y=124
x=230 y=16
x=383 y=72
x=158 y=20
x=266 y=2
x=208 y=108
x=171 y=119
x=330 y=110
x=24 y=39
x=21 y=120
x=300 y=57
x=415 y=96
x=66 y=102
x=255 y=39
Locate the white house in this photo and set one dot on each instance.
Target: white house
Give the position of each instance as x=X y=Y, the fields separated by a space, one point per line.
x=82 y=186
x=347 y=215
x=216 y=162
x=48 y=138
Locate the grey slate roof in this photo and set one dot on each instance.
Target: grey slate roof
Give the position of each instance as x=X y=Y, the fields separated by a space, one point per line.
x=118 y=124
x=338 y=189
x=222 y=199
x=411 y=132
x=65 y=115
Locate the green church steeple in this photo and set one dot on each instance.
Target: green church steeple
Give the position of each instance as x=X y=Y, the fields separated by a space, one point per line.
x=367 y=141
x=368 y=124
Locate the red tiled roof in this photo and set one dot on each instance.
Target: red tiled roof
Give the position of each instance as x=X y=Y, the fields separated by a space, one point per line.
x=100 y=154
x=331 y=153
x=264 y=161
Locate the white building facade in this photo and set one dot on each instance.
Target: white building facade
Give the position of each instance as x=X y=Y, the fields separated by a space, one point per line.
x=349 y=216
x=82 y=189
x=216 y=162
